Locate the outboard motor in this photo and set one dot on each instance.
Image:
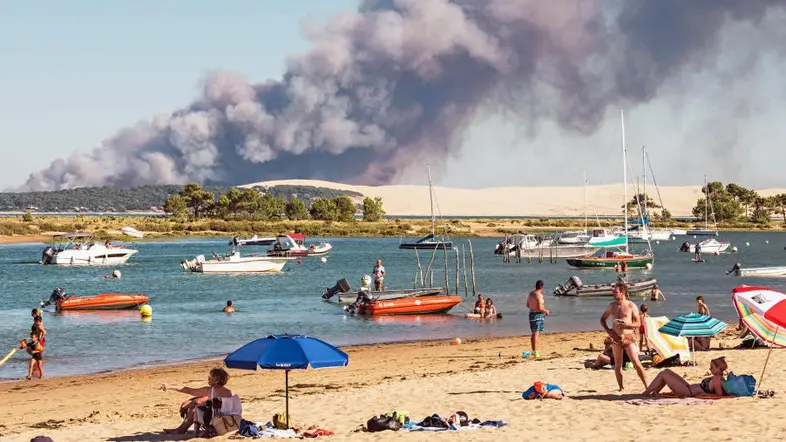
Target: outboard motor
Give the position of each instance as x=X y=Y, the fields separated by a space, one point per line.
x=342 y=286
x=576 y=281
x=57 y=296
x=685 y=247
x=48 y=255
x=734 y=269
x=233 y=241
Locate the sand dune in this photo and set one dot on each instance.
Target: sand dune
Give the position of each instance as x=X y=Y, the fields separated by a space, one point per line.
x=412 y=200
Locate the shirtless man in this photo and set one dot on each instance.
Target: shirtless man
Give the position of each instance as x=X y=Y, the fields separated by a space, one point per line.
x=537 y=312
x=625 y=321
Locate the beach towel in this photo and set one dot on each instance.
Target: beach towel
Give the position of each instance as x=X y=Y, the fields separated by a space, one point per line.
x=669 y=401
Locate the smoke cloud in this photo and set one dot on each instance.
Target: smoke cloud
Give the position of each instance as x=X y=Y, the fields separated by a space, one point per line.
x=398 y=82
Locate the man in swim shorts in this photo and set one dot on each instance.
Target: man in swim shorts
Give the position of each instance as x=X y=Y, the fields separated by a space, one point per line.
x=625 y=321
x=537 y=312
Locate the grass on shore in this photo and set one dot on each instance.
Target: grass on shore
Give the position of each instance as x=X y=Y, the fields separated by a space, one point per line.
x=108 y=227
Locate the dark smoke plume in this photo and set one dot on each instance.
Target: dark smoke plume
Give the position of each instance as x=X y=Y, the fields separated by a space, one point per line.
x=398 y=82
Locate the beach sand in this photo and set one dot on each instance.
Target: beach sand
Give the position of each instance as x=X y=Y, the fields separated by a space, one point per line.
x=403 y=200
x=482 y=377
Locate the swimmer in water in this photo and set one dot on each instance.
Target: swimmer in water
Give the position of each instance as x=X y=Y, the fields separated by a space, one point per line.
x=229 y=308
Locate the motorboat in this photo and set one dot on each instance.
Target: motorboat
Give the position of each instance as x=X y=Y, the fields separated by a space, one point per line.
x=678 y=232
x=572 y=238
x=132 y=232
x=79 y=249
x=253 y=241
x=413 y=305
x=101 y=301
x=574 y=287
x=344 y=295
x=702 y=232
x=711 y=246
x=603 y=238
x=293 y=245
x=763 y=272
x=234 y=263
x=519 y=240
x=528 y=246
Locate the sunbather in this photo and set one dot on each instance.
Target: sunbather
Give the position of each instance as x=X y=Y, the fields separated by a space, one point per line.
x=679 y=386
x=216 y=388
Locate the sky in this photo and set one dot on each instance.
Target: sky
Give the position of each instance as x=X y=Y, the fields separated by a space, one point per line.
x=74 y=73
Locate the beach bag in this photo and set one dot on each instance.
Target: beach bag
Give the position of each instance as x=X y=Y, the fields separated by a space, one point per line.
x=742 y=385
x=226 y=424
x=382 y=423
x=280 y=421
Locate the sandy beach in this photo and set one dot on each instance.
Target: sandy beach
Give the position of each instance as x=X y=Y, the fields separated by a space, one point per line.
x=484 y=378
x=404 y=200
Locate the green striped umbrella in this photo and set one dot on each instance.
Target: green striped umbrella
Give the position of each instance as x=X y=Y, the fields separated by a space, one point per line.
x=693 y=325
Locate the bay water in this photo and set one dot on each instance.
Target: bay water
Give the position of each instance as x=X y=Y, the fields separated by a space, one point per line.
x=187 y=321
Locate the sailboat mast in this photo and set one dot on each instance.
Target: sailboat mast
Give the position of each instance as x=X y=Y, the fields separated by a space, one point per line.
x=586 y=222
x=706 y=204
x=431 y=201
x=624 y=179
x=644 y=197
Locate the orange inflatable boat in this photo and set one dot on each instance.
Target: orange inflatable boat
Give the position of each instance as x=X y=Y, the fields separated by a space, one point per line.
x=101 y=301
x=415 y=305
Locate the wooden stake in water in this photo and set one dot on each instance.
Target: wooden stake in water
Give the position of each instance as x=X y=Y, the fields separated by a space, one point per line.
x=472 y=268
x=464 y=270
x=455 y=249
x=447 y=279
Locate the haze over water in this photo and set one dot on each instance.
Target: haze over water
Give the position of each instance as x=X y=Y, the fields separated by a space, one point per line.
x=187 y=320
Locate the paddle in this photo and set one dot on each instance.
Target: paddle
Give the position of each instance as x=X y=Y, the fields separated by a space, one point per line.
x=8 y=356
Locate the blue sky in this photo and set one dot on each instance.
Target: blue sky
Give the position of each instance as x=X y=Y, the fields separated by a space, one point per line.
x=75 y=72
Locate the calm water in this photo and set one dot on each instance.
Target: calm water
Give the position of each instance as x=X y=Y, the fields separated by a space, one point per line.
x=187 y=322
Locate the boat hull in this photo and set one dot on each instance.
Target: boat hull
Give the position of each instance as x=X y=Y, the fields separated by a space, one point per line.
x=763 y=272
x=559 y=251
x=702 y=232
x=350 y=297
x=635 y=287
x=105 y=257
x=416 y=305
x=439 y=245
x=593 y=262
x=103 y=301
x=320 y=250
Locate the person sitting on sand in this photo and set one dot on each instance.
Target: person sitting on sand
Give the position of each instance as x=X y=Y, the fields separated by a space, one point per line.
x=607 y=357
x=216 y=388
x=229 y=308
x=679 y=386
x=480 y=306
x=491 y=310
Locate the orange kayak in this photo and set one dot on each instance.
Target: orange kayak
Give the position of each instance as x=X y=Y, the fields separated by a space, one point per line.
x=410 y=306
x=102 y=301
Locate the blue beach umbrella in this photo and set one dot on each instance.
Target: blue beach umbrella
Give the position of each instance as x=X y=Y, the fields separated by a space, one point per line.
x=286 y=352
x=693 y=325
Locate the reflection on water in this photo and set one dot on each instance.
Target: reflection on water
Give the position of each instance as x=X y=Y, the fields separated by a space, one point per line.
x=188 y=323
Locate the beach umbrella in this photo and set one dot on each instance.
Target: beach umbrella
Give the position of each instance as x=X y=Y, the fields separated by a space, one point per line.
x=693 y=325
x=666 y=345
x=768 y=305
x=286 y=352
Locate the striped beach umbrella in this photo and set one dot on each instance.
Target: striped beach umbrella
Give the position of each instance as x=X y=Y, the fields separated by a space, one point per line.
x=666 y=345
x=693 y=325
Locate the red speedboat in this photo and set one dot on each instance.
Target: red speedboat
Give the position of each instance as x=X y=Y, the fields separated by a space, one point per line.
x=415 y=305
x=101 y=301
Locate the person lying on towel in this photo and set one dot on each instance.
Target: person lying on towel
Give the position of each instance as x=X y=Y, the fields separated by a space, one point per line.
x=541 y=390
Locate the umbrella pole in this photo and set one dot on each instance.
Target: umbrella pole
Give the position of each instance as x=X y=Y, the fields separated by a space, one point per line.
x=761 y=378
x=286 y=390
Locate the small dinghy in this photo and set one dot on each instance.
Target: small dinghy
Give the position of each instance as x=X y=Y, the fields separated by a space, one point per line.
x=101 y=301
x=132 y=232
x=768 y=272
x=574 y=287
x=343 y=294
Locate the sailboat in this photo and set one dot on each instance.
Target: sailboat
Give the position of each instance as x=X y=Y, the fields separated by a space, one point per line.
x=707 y=208
x=645 y=233
x=598 y=237
x=610 y=259
x=431 y=241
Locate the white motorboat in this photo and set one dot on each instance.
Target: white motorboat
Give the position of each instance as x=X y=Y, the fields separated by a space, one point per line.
x=577 y=237
x=676 y=232
x=253 y=241
x=603 y=238
x=79 y=249
x=234 y=263
x=294 y=245
x=642 y=236
x=529 y=246
x=762 y=272
x=711 y=246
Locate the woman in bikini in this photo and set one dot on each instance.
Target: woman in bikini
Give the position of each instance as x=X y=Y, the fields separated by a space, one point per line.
x=679 y=386
x=216 y=388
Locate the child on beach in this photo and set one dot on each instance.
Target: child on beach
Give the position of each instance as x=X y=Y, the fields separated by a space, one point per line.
x=480 y=306
x=643 y=343
x=36 y=351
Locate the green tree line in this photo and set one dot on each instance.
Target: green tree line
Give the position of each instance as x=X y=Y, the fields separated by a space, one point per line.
x=194 y=201
x=733 y=202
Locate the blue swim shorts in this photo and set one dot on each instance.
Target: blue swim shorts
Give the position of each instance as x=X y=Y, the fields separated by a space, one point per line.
x=536 y=321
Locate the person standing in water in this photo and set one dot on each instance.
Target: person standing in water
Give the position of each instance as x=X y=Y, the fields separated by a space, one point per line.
x=697 y=254
x=625 y=321
x=379 y=276
x=537 y=313
x=655 y=294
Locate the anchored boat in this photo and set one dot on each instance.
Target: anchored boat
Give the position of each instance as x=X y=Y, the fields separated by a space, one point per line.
x=79 y=249
x=764 y=272
x=344 y=295
x=101 y=301
x=574 y=287
x=293 y=245
x=414 y=305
